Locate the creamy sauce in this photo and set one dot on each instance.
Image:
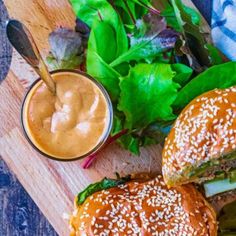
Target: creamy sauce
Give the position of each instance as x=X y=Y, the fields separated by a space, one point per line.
x=71 y=123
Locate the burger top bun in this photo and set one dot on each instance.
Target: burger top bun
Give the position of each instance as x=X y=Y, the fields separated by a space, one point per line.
x=204 y=132
x=144 y=207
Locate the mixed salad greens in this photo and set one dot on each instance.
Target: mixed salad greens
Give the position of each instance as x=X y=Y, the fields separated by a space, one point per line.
x=152 y=58
x=227 y=220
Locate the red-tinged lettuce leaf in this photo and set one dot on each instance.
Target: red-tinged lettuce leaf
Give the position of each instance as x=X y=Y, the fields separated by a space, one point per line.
x=147 y=94
x=193 y=43
x=148 y=48
x=66 y=49
x=149 y=40
x=193 y=38
x=82 y=28
x=150 y=24
x=219 y=76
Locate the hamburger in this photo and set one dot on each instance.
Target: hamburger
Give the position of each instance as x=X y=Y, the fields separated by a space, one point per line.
x=141 y=206
x=201 y=146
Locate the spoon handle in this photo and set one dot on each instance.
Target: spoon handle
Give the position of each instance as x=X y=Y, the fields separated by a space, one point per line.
x=22 y=40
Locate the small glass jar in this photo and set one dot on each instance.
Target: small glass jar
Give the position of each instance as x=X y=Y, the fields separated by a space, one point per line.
x=24 y=115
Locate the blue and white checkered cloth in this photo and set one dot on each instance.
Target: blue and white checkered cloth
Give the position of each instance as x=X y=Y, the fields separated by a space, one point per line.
x=224 y=26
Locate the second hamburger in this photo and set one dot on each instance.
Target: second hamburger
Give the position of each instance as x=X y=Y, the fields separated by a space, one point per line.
x=141 y=206
x=201 y=146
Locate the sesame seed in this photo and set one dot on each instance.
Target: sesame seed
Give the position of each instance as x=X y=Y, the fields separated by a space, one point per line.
x=126 y=215
x=198 y=136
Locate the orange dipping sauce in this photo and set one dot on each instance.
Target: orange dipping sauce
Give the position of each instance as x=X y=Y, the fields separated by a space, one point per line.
x=72 y=123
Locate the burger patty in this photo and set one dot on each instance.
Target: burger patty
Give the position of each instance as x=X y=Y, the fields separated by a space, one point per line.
x=220 y=200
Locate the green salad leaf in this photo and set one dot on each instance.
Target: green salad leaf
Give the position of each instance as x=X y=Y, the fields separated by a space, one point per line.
x=117 y=124
x=105 y=74
x=219 y=76
x=147 y=94
x=227 y=220
x=105 y=33
x=214 y=54
x=130 y=11
x=195 y=17
x=145 y=4
x=99 y=186
x=149 y=56
x=183 y=73
x=92 y=11
x=168 y=12
x=150 y=39
x=169 y=15
x=103 y=30
x=131 y=143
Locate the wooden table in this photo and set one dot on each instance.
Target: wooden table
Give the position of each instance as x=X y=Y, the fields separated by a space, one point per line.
x=52 y=184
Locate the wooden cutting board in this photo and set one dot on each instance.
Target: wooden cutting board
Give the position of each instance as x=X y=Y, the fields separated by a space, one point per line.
x=53 y=184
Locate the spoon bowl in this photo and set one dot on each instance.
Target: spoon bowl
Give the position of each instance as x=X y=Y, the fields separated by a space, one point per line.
x=22 y=40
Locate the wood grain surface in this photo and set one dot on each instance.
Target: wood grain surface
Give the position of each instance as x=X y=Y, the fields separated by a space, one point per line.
x=5 y=47
x=53 y=184
x=19 y=214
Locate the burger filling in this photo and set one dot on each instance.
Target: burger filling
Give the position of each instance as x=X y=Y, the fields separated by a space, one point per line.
x=222 y=183
x=217 y=175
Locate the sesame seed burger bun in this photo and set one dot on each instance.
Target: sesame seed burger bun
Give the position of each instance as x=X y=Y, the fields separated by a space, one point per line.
x=144 y=207
x=202 y=140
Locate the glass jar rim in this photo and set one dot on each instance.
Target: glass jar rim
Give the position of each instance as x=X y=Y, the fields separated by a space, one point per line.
x=105 y=135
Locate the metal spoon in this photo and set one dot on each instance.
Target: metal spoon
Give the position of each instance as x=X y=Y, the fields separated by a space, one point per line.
x=22 y=40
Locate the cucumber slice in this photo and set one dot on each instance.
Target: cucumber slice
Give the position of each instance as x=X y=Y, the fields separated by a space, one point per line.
x=218 y=186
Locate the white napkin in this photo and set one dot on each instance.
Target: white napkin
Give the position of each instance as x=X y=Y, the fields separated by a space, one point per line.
x=224 y=27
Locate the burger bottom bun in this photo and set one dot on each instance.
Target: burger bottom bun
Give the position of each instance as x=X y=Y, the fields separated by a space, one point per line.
x=145 y=207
